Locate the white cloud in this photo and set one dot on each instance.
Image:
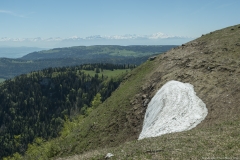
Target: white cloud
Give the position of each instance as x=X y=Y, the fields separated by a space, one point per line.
x=12 y=13
x=3 y=11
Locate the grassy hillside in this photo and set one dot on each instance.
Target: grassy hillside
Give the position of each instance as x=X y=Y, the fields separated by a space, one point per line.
x=210 y=63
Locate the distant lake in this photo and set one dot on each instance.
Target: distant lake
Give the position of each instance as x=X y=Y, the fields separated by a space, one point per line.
x=1 y=80
x=17 y=52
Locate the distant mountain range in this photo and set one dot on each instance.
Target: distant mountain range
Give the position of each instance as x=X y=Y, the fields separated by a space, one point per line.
x=127 y=39
x=158 y=35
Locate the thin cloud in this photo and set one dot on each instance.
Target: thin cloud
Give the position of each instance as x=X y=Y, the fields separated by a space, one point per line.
x=226 y=5
x=12 y=13
x=7 y=12
x=214 y=4
x=204 y=7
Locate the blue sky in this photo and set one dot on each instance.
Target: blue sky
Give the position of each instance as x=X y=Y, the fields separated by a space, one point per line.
x=84 y=18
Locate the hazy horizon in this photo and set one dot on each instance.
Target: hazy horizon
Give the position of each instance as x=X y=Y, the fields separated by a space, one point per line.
x=51 y=24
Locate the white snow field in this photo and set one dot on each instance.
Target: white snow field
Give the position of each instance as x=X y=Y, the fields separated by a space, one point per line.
x=174 y=108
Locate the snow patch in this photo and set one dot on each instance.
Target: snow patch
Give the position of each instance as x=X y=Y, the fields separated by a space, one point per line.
x=174 y=108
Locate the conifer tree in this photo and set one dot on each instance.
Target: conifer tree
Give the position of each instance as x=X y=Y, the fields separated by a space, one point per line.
x=96 y=100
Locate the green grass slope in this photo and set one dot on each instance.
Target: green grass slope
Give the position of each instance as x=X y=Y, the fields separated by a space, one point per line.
x=210 y=63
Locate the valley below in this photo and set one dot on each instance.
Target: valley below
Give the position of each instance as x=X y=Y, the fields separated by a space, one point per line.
x=72 y=56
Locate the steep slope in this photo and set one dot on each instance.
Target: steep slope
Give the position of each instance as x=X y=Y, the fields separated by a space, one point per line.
x=211 y=64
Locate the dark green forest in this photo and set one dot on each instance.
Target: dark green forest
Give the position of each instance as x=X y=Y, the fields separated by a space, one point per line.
x=14 y=67
x=37 y=104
